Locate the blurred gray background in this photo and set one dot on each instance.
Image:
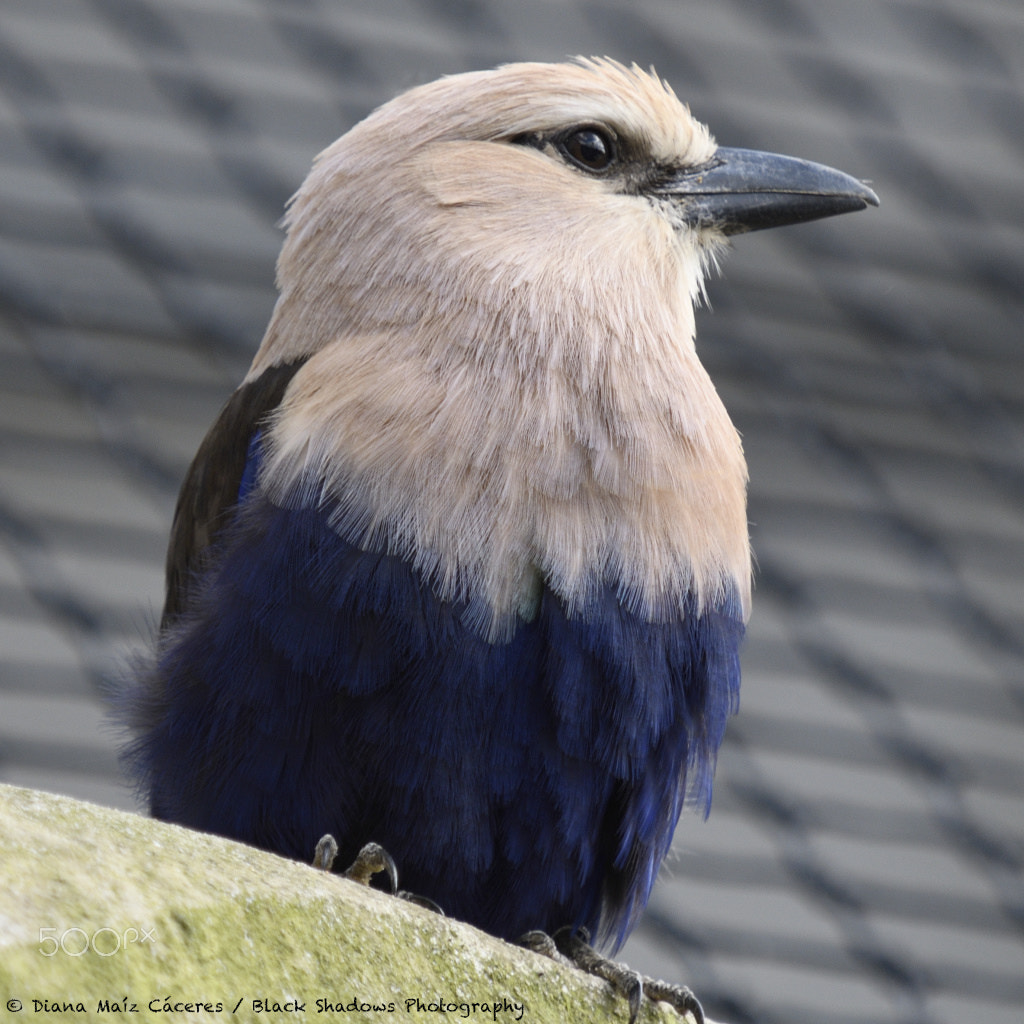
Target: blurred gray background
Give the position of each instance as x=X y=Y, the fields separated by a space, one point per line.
x=862 y=862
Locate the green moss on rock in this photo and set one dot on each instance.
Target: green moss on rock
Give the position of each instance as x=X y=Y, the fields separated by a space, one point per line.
x=102 y=910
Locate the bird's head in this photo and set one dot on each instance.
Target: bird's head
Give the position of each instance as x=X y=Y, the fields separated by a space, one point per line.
x=493 y=279
x=542 y=187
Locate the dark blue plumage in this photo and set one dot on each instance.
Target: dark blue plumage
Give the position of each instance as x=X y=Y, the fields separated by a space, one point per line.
x=315 y=687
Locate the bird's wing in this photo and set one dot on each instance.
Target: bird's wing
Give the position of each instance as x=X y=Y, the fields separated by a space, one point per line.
x=211 y=488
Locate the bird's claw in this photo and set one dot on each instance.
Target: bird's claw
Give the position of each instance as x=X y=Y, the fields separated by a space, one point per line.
x=371 y=860
x=572 y=946
x=420 y=901
x=679 y=997
x=541 y=942
x=326 y=851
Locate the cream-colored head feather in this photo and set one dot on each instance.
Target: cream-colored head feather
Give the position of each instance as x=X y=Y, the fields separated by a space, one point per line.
x=502 y=382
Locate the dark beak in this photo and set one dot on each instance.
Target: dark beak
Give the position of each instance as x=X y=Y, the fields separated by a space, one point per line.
x=741 y=190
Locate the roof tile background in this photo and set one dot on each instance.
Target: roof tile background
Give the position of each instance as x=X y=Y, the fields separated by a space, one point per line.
x=863 y=861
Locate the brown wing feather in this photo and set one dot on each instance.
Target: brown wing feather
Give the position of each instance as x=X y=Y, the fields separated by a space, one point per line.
x=210 y=489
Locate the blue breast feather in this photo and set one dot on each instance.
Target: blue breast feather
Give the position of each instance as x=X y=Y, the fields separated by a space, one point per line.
x=315 y=687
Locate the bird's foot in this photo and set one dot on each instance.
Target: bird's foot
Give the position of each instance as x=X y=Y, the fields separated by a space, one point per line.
x=371 y=860
x=571 y=946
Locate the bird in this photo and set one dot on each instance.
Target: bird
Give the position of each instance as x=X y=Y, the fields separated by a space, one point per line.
x=463 y=566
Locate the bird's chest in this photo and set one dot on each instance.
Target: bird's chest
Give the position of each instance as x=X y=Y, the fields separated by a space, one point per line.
x=495 y=494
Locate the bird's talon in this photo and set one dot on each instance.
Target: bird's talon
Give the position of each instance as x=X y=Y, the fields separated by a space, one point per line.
x=326 y=851
x=420 y=901
x=679 y=997
x=371 y=860
x=574 y=943
x=571 y=947
x=542 y=943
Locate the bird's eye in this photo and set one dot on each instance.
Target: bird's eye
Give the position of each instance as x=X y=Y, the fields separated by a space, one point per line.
x=590 y=148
